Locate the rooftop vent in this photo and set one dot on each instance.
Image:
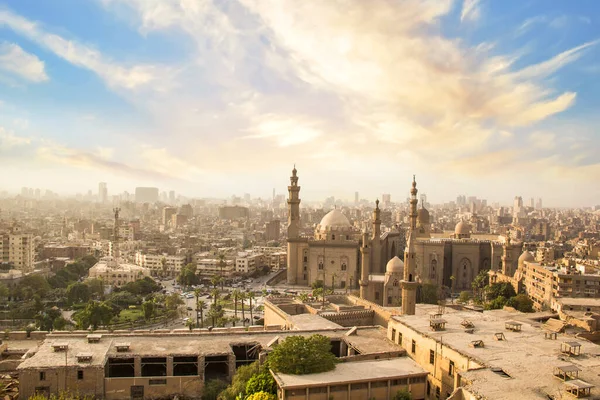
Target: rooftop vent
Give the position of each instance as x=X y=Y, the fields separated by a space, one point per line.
x=94 y=338
x=60 y=346
x=84 y=357
x=122 y=347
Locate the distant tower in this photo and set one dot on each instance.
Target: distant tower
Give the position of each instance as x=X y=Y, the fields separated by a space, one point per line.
x=355 y=198
x=365 y=271
x=293 y=229
x=408 y=284
x=507 y=259
x=376 y=266
x=102 y=192
x=116 y=235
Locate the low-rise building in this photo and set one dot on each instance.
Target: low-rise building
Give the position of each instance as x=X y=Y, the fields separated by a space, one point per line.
x=247 y=263
x=154 y=262
x=208 y=267
x=115 y=273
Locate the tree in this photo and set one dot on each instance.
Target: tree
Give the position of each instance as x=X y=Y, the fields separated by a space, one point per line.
x=496 y=290
x=496 y=304
x=222 y=265
x=261 y=396
x=429 y=293
x=303 y=355
x=479 y=283
x=94 y=314
x=403 y=395
x=303 y=297
x=173 y=301
x=242 y=297
x=187 y=275
x=197 y=293
x=262 y=382
x=238 y=384
x=250 y=296
x=78 y=293
x=212 y=389
x=201 y=306
x=190 y=324
x=215 y=280
x=96 y=286
x=149 y=309
x=215 y=313
x=236 y=295
x=4 y=292
x=33 y=284
x=464 y=297
x=521 y=303
x=45 y=319
x=164 y=267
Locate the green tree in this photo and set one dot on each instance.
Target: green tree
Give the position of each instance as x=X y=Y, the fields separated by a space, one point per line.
x=239 y=381
x=403 y=395
x=215 y=280
x=173 y=301
x=496 y=290
x=429 y=293
x=303 y=355
x=200 y=307
x=45 y=319
x=496 y=304
x=250 y=296
x=479 y=283
x=262 y=396
x=187 y=276
x=34 y=284
x=94 y=314
x=96 y=286
x=262 y=382
x=464 y=297
x=149 y=309
x=242 y=298
x=190 y=324
x=78 y=293
x=212 y=389
x=521 y=302
x=4 y=292
x=164 y=267
x=236 y=295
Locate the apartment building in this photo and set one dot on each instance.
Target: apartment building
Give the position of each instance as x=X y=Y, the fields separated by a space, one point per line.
x=247 y=263
x=154 y=262
x=208 y=267
x=17 y=248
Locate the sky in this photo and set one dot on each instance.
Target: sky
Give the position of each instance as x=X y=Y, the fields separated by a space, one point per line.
x=214 y=97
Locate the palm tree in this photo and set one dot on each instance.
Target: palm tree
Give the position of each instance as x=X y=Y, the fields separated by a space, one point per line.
x=250 y=296
x=215 y=280
x=163 y=263
x=222 y=265
x=215 y=295
x=235 y=294
x=242 y=297
x=201 y=306
x=303 y=297
x=452 y=279
x=197 y=294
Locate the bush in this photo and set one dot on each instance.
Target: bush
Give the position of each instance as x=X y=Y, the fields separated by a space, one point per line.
x=261 y=396
x=496 y=304
x=403 y=395
x=212 y=389
x=464 y=297
x=301 y=355
x=262 y=382
x=521 y=303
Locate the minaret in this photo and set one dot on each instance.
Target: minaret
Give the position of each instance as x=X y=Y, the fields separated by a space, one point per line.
x=116 y=235
x=408 y=284
x=365 y=251
x=507 y=261
x=293 y=229
x=376 y=265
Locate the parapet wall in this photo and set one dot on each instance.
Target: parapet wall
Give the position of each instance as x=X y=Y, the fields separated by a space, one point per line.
x=351 y=318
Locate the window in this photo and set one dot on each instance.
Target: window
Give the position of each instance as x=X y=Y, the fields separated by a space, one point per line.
x=343 y=284
x=42 y=376
x=376 y=295
x=431 y=356
x=428 y=389
x=414 y=347
x=451 y=368
x=321 y=265
x=305 y=259
x=393 y=335
x=389 y=300
x=332 y=237
x=80 y=375
x=343 y=266
x=396 y=283
x=437 y=392
x=400 y=338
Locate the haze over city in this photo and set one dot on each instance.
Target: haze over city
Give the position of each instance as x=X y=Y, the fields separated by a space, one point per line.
x=210 y=98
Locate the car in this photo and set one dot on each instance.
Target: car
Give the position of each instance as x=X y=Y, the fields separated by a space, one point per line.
x=190 y=309
x=189 y=296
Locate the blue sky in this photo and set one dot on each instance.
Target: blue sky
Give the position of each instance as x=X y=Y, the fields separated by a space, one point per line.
x=214 y=97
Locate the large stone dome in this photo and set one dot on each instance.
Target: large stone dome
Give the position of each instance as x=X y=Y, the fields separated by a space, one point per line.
x=423 y=216
x=526 y=256
x=334 y=219
x=462 y=229
x=395 y=265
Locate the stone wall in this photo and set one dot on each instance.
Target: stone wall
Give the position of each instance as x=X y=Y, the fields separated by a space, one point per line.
x=351 y=318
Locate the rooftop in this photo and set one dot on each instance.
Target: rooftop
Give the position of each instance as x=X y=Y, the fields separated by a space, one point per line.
x=525 y=356
x=359 y=371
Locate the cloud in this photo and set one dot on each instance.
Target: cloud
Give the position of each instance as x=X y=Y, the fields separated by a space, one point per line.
x=542 y=140
x=116 y=75
x=15 y=60
x=9 y=141
x=471 y=10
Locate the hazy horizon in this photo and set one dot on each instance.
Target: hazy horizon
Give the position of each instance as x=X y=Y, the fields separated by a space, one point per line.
x=212 y=98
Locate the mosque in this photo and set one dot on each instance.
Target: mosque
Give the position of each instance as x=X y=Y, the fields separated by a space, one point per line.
x=341 y=257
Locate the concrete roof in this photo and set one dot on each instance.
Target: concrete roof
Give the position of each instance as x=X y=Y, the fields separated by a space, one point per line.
x=578 y=301
x=526 y=355
x=312 y=322
x=366 y=340
x=358 y=371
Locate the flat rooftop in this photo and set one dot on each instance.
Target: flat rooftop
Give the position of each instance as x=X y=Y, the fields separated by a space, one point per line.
x=312 y=322
x=358 y=371
x=367 y=340
x=579 y=301
x=526 y=356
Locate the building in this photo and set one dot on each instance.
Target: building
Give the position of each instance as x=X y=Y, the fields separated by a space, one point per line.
x=233 y=212
x=496 y=354
x=209 y=267
x=154 y=262
x=72 y=251
x=272 y=230
x=178 y=220
x=102 y=192
x=146 y=194
x=247 y=263
x=115 y=273
x=167 y=215
x=333 y=254
x=17 y=248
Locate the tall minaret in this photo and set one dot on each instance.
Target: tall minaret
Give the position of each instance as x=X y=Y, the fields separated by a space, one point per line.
x=365 y=251
x=116 y=235
x=293 y=228
x=507 y=260
x=408 y=284
x=376 y=265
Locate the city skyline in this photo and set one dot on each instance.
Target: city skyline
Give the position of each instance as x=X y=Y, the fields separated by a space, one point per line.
x=492 y=99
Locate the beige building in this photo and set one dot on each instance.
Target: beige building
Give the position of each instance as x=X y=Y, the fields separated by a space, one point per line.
x=17 y=248
x=154 y=262
x=496 y=355
x=115 y=273
x=208 y=267
x=247 y=263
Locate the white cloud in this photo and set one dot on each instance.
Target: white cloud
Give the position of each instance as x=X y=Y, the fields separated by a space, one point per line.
x=15 y=60
x=471 y=10
x=9 y=141
x=116 y=75
x=542 y=140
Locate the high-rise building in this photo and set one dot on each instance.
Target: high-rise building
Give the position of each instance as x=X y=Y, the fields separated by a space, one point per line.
x=146 y=194
x=272 y=230
x=172 y=197
x=355 y=198
x=102 y=192
x=539 y=204
x=386 y=199
x=168 y=213
x=17 y=248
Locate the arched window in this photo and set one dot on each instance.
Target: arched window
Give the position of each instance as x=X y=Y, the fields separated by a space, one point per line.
x=332 y=237
x=343 y=266
x=320 y=264
x=432 y=269
x=396 y=283
x=410 y=277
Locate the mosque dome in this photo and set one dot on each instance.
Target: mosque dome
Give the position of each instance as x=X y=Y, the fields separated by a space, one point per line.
x=526 y=256
x=334 y=219
x=395 y=265
x=462 y=228
x=423 y=216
